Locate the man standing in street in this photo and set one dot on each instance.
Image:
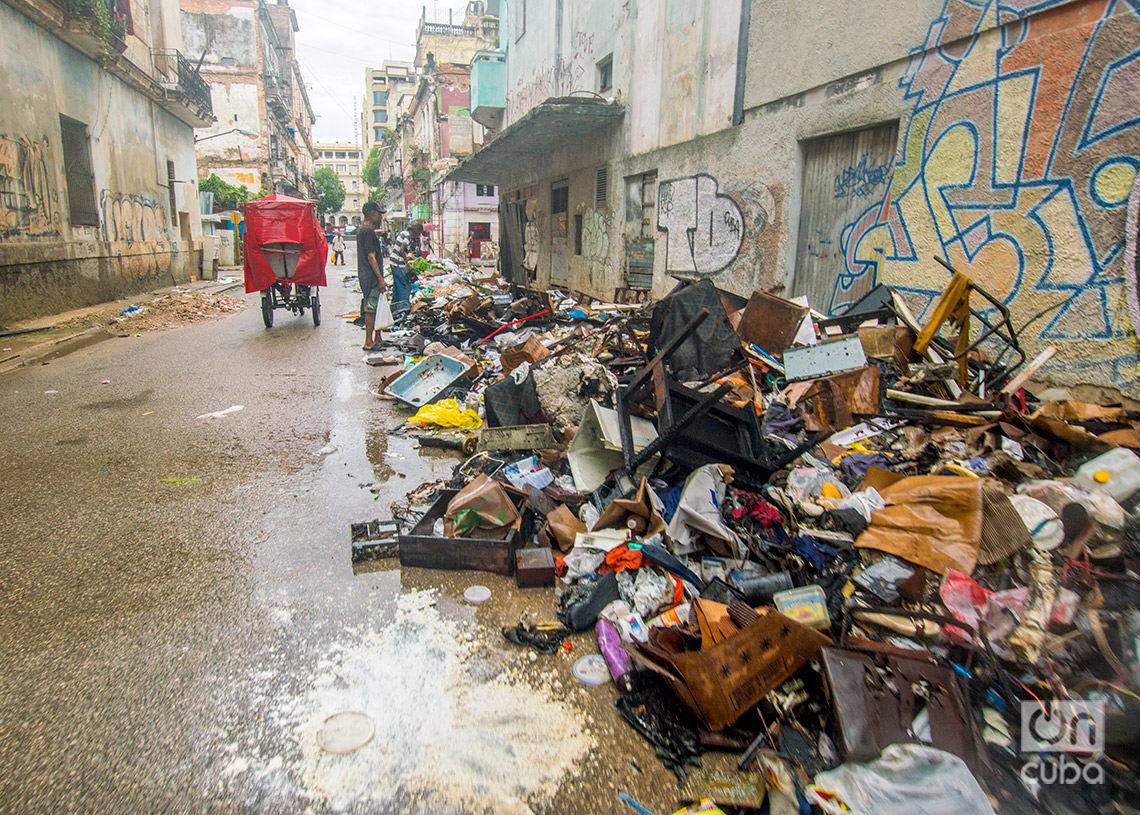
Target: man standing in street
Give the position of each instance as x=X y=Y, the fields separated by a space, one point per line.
x=405 y=249
x=338 y=249
x=369 y=270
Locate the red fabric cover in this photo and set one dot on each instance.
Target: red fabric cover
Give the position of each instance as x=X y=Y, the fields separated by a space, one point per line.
x=281 y=219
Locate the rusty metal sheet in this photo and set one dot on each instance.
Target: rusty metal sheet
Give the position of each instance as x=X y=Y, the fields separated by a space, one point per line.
x=770 y=322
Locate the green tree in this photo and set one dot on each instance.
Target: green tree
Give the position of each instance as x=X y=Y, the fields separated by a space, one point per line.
x=225 y=195
x=372 y=167
x=331 y=191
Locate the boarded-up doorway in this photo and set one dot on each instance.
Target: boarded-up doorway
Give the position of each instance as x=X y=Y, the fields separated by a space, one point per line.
x=843 y=216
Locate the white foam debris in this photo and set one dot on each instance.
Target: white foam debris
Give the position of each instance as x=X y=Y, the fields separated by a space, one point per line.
x=452 y=733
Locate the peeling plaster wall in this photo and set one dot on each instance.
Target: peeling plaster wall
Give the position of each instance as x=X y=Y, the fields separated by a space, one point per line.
x=48 y=265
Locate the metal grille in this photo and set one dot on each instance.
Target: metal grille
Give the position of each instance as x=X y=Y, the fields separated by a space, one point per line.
x=170 y=190
x=601 y=187
x=79 y=173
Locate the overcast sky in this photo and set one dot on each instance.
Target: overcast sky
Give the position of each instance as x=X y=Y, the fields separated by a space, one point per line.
x=338 y=39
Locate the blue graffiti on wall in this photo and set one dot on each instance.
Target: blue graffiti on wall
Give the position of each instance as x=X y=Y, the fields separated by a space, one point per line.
x=1019 y=174
x=860 y=180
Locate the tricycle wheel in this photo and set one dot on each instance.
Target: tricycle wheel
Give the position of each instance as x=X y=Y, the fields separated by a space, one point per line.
x=315 y=305
x=267 y=307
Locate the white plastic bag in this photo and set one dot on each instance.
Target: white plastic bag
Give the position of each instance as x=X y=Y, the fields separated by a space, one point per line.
x=384 y=319
x=906 y=778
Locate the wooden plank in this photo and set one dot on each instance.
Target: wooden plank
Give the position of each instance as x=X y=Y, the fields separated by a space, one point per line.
x=1014 y=385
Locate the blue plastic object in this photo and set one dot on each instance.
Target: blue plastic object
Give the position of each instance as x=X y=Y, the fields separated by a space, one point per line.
x=427 y=379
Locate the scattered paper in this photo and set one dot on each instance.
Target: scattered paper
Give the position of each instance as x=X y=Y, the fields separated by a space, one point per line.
x=217 y=414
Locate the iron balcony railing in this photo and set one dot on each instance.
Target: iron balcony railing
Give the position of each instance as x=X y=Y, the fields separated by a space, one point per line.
x=182 y=78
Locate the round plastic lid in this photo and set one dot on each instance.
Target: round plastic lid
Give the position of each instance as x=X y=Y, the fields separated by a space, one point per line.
x=346 y=732
x=592 y=670
x=1102 y=476
x=477 y=594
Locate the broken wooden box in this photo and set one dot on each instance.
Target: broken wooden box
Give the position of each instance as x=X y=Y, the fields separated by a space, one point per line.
x=534 y=567
x=492 y=551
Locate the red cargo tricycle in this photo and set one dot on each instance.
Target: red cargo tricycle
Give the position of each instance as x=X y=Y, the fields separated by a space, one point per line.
x=285 y=255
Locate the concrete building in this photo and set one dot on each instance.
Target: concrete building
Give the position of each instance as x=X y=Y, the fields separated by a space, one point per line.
x=433 y=130
x=347 y=161
x=257 y=86
x=98 y=194
x=1002 y=138
x=383 y=88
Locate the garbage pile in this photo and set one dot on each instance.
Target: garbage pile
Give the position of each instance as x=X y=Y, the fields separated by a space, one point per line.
x=861 y=552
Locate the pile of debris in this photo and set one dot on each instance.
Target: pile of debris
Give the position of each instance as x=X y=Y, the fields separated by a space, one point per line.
x=860 y=551
x=176 y=309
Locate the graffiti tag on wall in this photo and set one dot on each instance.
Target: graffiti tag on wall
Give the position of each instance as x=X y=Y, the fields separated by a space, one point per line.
x=136 y=218
x=704 y=229
x=595 y=235
x=1020 y=174
x=860 y=180
x=27 y=201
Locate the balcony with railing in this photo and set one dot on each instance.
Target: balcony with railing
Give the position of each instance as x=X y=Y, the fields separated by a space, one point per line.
x=186 y=93
x=92 y=27
x=279 y=97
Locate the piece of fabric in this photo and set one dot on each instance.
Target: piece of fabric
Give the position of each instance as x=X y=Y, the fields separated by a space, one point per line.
x=698 y=514
x=622 y=557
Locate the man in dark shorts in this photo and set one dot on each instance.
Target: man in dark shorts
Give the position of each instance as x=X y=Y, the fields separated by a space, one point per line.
x=369 y=270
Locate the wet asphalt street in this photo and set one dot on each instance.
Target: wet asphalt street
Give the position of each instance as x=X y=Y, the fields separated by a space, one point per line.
x=177 y=598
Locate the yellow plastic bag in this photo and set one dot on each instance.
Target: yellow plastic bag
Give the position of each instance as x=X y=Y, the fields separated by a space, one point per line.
x=446 y=413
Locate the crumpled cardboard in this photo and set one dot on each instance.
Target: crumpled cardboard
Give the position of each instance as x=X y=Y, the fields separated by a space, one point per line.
x=530 y=351
x=930 y=520
x=722 y=682
x=482 y=504
x=641 y=505
x=698 y=514
x=562 y=526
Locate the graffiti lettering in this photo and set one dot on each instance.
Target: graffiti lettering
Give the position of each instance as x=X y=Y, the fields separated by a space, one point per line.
x=1026 y=196
x=704 y=229
x=861 y=179
x=132 y=218
x=595 y=235
x=27 y=202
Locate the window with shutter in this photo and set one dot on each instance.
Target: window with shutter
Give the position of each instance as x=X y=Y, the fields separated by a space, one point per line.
x=78 y=172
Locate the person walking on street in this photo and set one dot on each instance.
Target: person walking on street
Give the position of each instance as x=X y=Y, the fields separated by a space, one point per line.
x=404 y=250
x=369 y=271
x=338 y=250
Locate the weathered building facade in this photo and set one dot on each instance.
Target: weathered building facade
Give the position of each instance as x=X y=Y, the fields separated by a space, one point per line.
x=383 y=88
x=434 y=130
x=98 y=194
x=250 y=62
x=347 y=161
x=1003 y=138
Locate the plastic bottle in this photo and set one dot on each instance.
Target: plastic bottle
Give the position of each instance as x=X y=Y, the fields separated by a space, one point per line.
x=1117 y=472
x=620 y=665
